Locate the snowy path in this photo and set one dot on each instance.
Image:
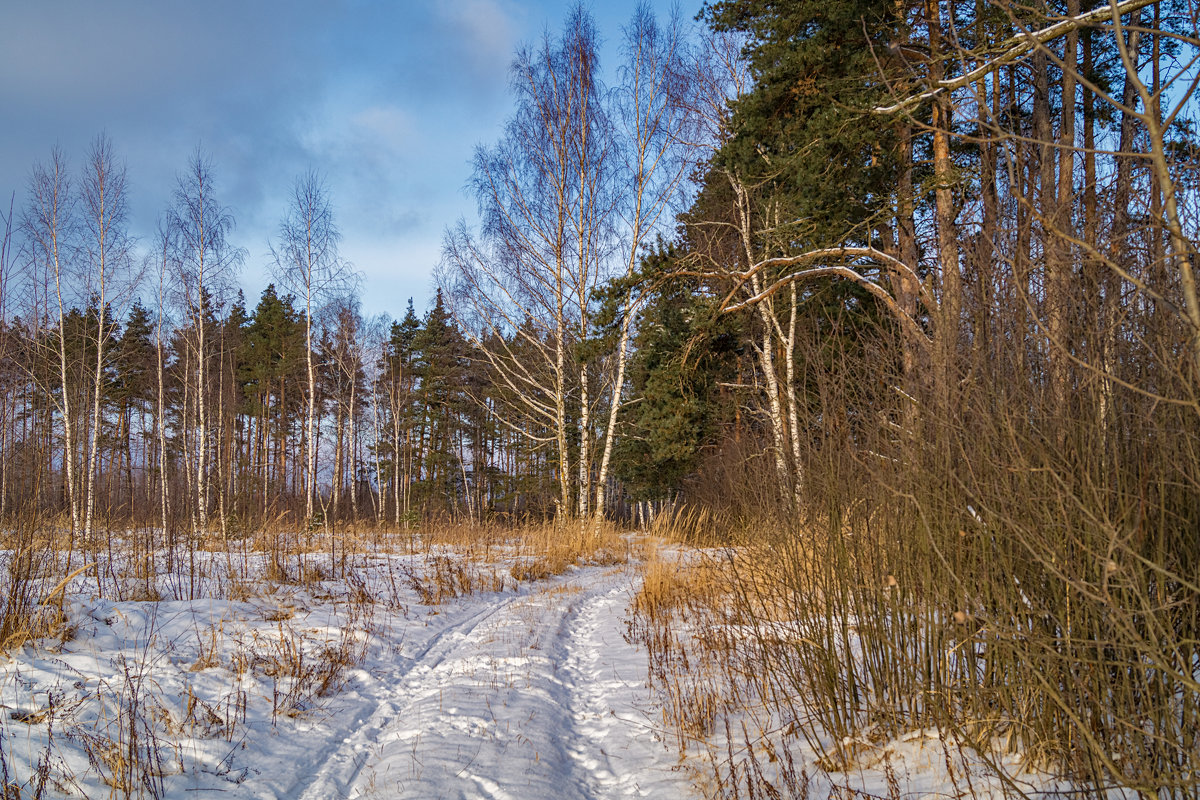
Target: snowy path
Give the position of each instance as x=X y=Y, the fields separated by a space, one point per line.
x=534 y=695
x=529 y=694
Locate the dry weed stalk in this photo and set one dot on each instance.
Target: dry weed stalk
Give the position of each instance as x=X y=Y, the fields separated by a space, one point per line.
x=29 y=610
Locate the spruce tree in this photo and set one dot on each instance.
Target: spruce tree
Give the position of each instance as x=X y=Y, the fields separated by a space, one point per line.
x=441 y=370
x=684 y=350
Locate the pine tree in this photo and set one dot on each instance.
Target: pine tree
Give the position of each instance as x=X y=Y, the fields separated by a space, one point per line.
x=398 y=376
x=134 y=393
x=272 y=358
x=807 y=127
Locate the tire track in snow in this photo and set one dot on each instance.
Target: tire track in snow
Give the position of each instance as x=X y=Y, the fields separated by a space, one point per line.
x=590 y=708
x=531 y=696
x=341 y=765
x=616 y=747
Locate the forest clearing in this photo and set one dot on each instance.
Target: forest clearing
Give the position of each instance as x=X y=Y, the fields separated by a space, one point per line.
x=805 y=404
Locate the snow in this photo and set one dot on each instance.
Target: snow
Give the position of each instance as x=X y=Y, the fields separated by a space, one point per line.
x=757 y=748
x=530 y=692
x=422 y=675
x=528 y=695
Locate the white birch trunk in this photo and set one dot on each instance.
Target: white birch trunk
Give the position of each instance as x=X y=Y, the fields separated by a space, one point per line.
x=613 y=409
x=311 y=419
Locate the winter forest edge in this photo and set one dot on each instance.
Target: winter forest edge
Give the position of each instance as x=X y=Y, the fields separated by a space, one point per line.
x=882 y=319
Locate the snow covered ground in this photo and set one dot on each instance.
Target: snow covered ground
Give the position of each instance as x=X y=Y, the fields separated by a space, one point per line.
x=428 y=675
x=515 y=691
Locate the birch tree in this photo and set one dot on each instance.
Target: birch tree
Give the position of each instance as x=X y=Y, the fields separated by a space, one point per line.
x=48 y=226
x=165 y=248
x=524 y=283
x=8 y=389
x=108 y=249
x=374 y=360
x=307 y=265
x=205 y=264
x=660 y=138
x=345 y=342
x=583 y=178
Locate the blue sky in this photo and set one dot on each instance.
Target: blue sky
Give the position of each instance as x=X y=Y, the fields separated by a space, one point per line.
x=386 y=100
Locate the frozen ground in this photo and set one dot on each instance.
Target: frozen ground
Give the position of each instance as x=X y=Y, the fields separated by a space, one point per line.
x=530 y=691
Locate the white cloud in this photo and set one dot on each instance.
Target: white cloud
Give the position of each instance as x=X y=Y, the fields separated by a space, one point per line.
x=487 y=29
x=384 y=125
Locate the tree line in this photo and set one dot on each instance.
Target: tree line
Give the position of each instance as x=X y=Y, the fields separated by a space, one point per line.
x=197 y=412
x=805 y=237
x=140 y=387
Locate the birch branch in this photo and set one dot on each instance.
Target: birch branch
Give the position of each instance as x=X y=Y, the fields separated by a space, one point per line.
x=875 y=289
x=829 y=252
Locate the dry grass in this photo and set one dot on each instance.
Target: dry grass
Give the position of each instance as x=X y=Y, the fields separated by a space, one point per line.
x=130 y=749
x=857 y=637
x=547 y=550
x=31 y=595
x=754 y=631
x=447 y=578
x=450 y=561
x=479 y=541
x=677 y=616
x=671 y=585
x=698 y=526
